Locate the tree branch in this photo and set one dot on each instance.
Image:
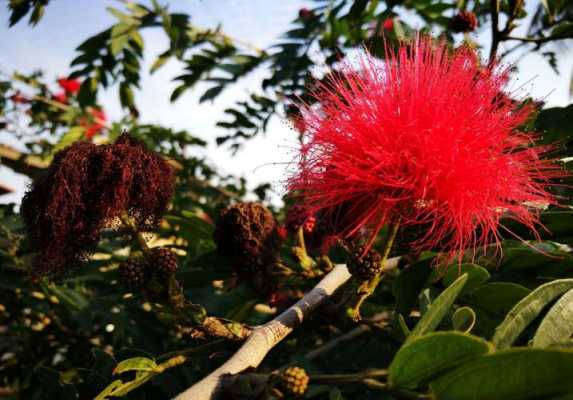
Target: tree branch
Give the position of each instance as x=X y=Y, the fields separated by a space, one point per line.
x=495 y=34
x=265 y=337
x=20 y=162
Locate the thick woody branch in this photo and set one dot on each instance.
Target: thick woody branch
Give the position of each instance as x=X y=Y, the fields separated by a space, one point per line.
x=265 y=337
x=20 y=162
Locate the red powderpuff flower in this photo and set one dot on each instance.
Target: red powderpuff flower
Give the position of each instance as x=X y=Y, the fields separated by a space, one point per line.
x=423 y=139
x=61 y=97
x=388 y=24
x=69 y=85
x=95 y=123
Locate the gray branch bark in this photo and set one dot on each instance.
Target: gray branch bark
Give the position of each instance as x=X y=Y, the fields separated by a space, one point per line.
x=265 y=337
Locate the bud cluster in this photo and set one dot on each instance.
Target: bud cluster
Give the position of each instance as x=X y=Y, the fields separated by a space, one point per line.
x=364 y=265
x=159 y=262
x=294 y=381
x=247 y=233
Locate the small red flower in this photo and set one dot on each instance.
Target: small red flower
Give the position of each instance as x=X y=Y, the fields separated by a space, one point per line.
x=388 y=24
x=297 y=217
x=421 y=138
x=464 y=21
x=305 y=14
x=282 y=232
x=95 y=123
x=19 y=98
x=60 y=97
x=70 y=86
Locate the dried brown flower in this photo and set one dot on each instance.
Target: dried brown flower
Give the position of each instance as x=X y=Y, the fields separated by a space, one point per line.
x=84 y=190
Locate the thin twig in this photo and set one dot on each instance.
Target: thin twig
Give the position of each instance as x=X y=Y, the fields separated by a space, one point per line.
x=347 y=378
x=495 y=34
x=350 y=335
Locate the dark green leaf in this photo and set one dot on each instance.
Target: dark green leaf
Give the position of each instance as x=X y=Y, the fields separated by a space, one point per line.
x=426 y=357
x=477 y=275
x=438 y=309
x=517 y=374
x=527 y=310
x=557 y=326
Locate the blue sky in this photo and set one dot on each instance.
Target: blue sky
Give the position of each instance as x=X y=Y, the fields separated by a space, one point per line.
x=50 y=46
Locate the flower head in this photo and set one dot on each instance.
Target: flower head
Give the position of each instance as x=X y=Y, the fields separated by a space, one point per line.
x=84 y=190
x=464 y=21
x=69 y=85
x=388 y=24
x=95 y=122
x=424 y=139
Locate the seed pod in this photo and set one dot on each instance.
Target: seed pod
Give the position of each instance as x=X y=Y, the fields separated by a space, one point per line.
x=364 y=266
x=294 y=381
x=163 y=261
x=133 y=274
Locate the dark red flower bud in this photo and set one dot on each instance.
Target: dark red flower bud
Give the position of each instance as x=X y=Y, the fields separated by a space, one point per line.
x=464 y=21
x=305 y=14
x=247 y=233
x=133 y=274
x=296 y=217
x=18 y=98
x=363 y=264
x=163 y=261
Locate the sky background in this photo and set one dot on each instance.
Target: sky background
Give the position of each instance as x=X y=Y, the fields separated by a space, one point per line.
x=50 y=46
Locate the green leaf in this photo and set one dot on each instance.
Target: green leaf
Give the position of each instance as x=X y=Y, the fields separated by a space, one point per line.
x=119 y=389
x=73 y=135
x=424 y=358
x=522 y=256
x=119 y=37
x=335 y=394
x=562 y=30
x=126 y=95
x=161 y=60
x=497 y=297
x=464 y=319
x=477 y=275
x=527 y=310
x=516 y=374
x=409 y=284
x=195 y=225
x=555 y=124
x=438 y=309
x=37 y=14
x=101 y=370
x=357 y=9
x=136 y=364
x=211 y=93
x=121 y=16
x=70 y=297
x=557 y=326
x=88 y=91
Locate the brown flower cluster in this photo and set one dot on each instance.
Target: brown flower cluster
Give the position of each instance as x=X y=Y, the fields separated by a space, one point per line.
x=247 y=234
x=86 y=188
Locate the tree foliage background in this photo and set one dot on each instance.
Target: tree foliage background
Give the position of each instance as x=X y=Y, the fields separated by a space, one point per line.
x=74 y=337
